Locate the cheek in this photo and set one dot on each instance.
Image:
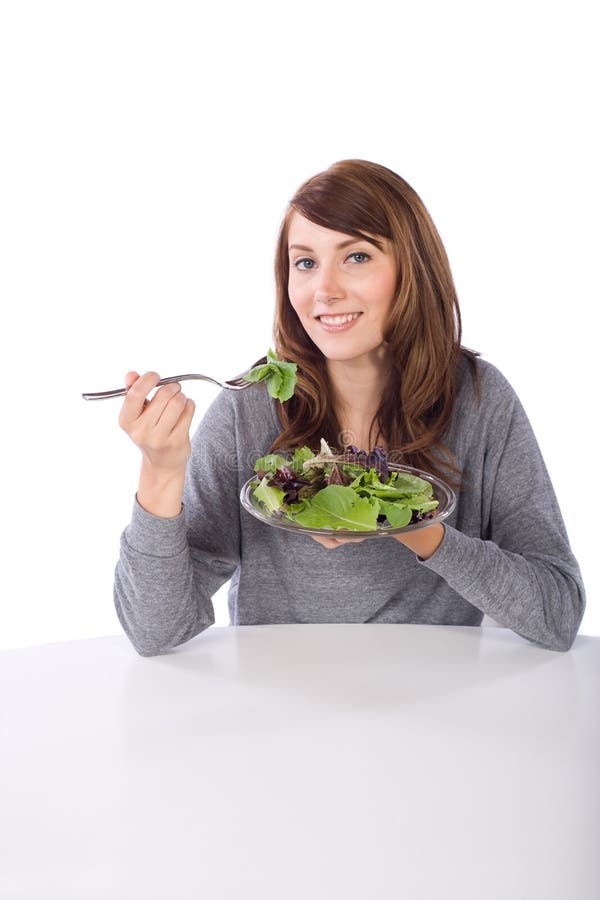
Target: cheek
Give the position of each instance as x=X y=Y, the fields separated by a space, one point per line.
x=293 y=301
x=298 y=298
x=387 y=293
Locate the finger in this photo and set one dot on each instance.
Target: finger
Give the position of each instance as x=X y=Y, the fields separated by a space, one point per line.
x=332 y=543
x=133 y=404
x=182 y=426
x=144 y=385
x=157 y=406
x=130 y=379
x=171 y=413
x=328 y=543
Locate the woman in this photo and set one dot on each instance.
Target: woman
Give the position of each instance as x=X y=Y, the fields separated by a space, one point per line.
x=367 y=308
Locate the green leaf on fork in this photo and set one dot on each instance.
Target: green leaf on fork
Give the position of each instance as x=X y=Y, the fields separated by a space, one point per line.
x=279 y=375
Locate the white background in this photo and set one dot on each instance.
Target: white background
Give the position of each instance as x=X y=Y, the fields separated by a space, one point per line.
x=148 y=152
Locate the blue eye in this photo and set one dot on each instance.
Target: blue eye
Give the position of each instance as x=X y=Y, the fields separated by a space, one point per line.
x=303 y=268
x=365 y=256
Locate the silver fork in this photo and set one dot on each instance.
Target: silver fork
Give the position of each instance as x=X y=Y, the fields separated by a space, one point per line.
x=236 y=384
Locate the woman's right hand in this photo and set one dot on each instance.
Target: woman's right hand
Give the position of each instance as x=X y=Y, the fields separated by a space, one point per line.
x=160 y=427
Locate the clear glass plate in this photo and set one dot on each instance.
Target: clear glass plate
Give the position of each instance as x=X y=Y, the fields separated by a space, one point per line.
x=441 y=491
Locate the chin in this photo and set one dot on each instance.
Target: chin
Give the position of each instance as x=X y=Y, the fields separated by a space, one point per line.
x=337 y=353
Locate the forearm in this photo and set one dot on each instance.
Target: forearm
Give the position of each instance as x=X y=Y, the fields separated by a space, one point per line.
x=156 y=596
x=538 y=596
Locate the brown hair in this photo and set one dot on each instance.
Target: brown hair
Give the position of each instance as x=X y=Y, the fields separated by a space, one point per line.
x=367 y=200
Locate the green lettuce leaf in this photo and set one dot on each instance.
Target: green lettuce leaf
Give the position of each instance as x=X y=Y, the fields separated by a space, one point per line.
x=399 y=487
x=302 y=455
x=280 y=376
x=272 y=497
x=270 y=463
x=397 y=515
x=337 y=506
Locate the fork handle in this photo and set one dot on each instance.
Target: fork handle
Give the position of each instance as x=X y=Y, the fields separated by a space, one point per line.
x=105 y=395
x=121 y=392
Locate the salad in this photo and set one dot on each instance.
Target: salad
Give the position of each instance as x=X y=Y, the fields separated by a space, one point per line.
x=353 y=490
x=280 y=376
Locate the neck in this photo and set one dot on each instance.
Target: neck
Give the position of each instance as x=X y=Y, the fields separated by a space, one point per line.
x=357 y=388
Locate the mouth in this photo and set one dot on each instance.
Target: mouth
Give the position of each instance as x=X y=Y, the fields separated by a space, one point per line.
x=338 y=322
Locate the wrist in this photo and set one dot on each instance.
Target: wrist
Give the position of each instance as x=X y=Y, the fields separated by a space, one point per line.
x=160 y=491
x=423 y=542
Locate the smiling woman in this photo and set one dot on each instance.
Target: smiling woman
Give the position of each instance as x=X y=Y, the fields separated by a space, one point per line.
x=367 y=310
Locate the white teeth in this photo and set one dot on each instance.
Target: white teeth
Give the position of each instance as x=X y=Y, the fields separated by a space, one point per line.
x=338 y=320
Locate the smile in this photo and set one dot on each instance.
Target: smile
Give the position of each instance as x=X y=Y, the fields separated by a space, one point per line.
x=333 y=321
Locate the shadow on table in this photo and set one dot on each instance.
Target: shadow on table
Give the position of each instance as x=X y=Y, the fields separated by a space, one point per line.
x=268 y=678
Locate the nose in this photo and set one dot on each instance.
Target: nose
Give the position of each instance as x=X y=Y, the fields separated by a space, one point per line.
x=329 y=285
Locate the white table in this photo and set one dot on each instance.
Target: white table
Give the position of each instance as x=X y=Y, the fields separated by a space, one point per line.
x=308 y=762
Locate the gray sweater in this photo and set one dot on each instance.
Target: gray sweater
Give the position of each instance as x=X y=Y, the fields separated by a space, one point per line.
x=505 y=551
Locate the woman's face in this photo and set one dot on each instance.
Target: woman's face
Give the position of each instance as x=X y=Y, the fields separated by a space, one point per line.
x=341 y=287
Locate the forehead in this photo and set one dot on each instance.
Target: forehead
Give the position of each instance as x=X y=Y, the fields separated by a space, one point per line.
x=303 y=231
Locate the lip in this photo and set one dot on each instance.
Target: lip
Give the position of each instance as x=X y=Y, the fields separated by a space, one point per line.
x=335 y=328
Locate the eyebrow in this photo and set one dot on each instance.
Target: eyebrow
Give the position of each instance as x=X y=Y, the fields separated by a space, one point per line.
x=354 y=240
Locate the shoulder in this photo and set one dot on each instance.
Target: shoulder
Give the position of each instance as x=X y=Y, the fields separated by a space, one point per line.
x=482 y=386
x=486 y=407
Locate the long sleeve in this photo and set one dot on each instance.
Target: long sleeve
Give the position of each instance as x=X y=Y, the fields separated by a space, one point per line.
x=520 y=569
x=169 y=569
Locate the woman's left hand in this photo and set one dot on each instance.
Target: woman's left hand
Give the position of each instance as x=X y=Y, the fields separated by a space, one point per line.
x=423 y=542
x=332 y=543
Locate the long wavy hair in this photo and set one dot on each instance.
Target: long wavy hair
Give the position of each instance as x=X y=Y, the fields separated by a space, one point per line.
x=423 y=333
